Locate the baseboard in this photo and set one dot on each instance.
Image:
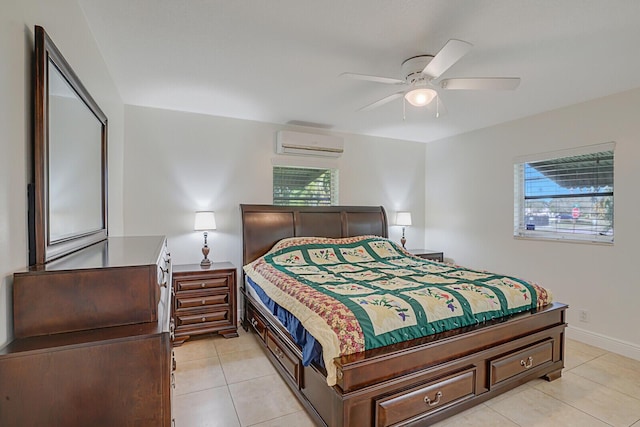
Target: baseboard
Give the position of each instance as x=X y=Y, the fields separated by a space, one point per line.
x=607 y=343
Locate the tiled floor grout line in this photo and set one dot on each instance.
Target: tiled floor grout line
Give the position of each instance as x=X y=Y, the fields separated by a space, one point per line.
x=235 y=408
x=272 y=419
x=585 y=358
x=594 y=381
x=200 y=391
x=574 y=407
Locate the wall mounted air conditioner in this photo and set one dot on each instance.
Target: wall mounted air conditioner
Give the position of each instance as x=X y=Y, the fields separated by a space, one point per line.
x=308 y=144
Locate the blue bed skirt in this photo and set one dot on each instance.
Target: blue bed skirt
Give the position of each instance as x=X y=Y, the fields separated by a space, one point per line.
x=311 y=349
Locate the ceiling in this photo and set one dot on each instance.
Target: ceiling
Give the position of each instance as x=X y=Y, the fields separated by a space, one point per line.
x=279 y=61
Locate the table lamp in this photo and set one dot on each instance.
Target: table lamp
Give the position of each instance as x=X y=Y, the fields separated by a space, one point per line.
x=205 y=221
x=403 y=219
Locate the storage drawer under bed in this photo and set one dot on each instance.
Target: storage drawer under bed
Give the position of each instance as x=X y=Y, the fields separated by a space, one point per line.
x=287 y=360
x=256 y=322
x=520 y=361
x=417 y=402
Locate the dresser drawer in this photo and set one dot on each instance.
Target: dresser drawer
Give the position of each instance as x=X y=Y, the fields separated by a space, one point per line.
x=424 y=399
x=202 y=318
x=521 y=361
x=221 y=282
x=287 y=360
x=202 y=301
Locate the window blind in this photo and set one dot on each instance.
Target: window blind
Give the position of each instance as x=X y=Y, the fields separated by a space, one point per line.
x=566 y=198
x=295 y=186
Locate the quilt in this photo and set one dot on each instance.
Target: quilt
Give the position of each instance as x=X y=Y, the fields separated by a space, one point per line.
x=365 y=292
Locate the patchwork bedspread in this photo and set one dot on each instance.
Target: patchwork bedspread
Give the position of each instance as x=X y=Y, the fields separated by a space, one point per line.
x=364 y=292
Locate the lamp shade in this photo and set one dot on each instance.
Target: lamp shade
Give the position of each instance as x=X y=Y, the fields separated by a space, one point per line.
x=420 y=97
x=403 y=218
x=205 y=221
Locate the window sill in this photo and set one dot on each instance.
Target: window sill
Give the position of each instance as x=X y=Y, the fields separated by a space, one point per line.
x=564 y=240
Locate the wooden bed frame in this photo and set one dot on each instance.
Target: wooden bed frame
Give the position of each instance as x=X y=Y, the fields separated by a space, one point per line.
x=412 y=383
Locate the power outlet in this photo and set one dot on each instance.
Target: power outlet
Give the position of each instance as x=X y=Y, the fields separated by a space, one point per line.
x=583 y=316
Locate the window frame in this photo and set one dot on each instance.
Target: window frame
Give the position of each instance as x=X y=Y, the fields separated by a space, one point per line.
x=334 y=181
x=520 y=229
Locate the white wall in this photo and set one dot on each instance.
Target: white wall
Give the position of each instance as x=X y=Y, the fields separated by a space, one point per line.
x=66 y=25
x=177 y=163
x=469 y=214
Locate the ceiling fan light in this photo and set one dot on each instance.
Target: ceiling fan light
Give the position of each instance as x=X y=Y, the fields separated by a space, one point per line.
x=420 y=97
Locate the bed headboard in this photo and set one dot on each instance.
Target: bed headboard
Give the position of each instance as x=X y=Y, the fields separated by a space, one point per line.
x=264 y=225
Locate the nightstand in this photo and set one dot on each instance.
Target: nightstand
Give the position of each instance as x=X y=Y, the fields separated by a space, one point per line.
x=428 y=254
x=203 y=300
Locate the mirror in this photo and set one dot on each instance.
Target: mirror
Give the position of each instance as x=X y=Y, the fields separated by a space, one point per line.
x=70 y=169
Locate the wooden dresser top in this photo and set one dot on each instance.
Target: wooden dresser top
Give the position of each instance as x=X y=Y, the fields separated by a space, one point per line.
x=113 y=252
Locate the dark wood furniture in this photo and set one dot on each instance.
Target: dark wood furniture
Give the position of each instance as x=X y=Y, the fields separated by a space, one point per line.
x=204 y=300
x=428 y=254
x=68 y=189
x=91 y=316
x=415 y=382
x=92 y=339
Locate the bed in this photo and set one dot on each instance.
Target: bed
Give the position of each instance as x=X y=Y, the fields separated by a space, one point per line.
x=414 y=382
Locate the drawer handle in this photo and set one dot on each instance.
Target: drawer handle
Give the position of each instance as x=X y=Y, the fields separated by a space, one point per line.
x=204 y=319
x=202 y=285
x=435 y=402
x=528 y=363
x=204 y=302
x=165 y=273
x=278 y=353
x=254 y=322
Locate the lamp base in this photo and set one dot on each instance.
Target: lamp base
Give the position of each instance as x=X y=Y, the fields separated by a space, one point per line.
x=403 y=241
x=206 y=262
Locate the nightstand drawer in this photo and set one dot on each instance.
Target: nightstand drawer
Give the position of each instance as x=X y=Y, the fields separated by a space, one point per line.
x=202 y=301
x=208 y=283
x=427 y=254
x=203 y=318
x=434 y=257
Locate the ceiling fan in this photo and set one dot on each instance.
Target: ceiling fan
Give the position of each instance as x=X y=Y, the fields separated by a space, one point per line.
x=420 y=73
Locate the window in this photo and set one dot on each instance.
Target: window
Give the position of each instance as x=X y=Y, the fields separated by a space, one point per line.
x=296 y=186
x=565 y=195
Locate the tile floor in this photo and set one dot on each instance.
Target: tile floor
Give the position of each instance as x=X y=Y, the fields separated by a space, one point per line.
x=230 y=382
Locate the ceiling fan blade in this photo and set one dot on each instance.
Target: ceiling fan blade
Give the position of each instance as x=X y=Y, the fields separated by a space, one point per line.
x=382 y=101
x=448 y=55
x=377 y=79
x=482 y=83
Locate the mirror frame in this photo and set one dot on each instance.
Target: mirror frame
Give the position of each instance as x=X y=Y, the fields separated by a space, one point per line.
x=41 y=248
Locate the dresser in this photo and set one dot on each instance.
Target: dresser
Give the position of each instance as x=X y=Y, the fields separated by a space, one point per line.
x=204 y=300
x=92 y=339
